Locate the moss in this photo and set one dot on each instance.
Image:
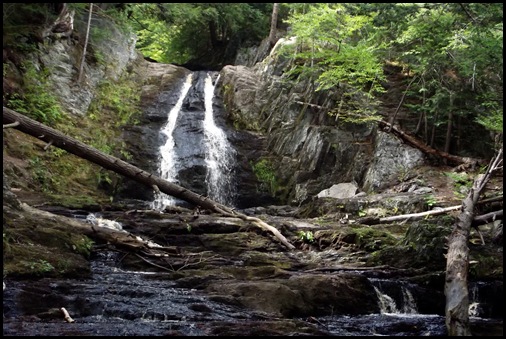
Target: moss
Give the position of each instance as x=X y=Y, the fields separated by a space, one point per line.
x=43 y=247
x=422 y=246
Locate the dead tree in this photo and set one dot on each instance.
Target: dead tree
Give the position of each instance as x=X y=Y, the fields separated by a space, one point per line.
x=274 y=22
x=422 y=146
x=76 y=147
x=83 y=58
x=457 y=258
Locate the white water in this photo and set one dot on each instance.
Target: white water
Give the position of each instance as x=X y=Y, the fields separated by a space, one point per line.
x=389 y=306
x=219 y=154
x=168 y=169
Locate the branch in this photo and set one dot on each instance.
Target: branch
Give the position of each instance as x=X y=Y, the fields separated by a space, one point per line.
x=14 y=124
x=434 y=212
x=487 y=218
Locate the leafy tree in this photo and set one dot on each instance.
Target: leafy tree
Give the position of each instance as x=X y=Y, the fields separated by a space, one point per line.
x=456 y=50
x=336 y=49
x=209 y=34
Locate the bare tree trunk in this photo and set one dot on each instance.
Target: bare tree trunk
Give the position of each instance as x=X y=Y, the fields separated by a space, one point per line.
x=58 y=139
x=457 y=258
x=449 y=132
x=274 y=22
x=392 y=119
x=81 y=68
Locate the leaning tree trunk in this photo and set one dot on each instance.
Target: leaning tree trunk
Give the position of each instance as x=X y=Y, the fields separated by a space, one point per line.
x=274 y=22
x=71 y=145
x=83 y=58
x=414 y=141
x=457 y=258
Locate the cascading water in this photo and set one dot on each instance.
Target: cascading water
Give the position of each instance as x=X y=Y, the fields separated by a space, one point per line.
x=168 y=169
x=195 y=145
x=388 y=304
x=219 y=154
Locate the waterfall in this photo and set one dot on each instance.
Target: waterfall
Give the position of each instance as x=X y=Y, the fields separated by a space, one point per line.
x=405 y=303
x=196 y=146
x=219 y=154
x=168 y=169
x=386 y=303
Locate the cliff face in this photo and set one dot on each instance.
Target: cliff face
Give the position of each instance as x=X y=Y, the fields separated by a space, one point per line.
x=310 y=150
x=268 y=117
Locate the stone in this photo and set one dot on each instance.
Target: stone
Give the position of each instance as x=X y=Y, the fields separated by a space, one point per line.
x=340 y=191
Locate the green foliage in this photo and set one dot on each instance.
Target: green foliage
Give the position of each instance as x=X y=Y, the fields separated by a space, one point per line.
x=335 y=50
x=265 y=173
x=430 y=200
x=37 y=100
x=119 y=98
x=83 y=246
x=38 y=267
x=306 y=236
x=462 y=182
x=181 y=32
x=456 y=51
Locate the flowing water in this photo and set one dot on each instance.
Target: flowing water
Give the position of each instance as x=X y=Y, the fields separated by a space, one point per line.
x=120 y=302
x=192 y=134
x=220 y=155
x=168 y=169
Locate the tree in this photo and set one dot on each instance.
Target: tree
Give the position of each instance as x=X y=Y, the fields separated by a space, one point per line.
x=209 y=34
x=335 y=50
x=81 y=67
x=274 y=22
x=457 y=264
x=71 y=145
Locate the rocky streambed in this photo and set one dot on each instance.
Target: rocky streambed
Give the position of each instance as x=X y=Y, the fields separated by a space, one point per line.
x=227 y=277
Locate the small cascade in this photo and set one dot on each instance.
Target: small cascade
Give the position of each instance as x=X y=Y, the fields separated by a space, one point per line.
x=168 y=169
x=97 y=220
x=400 y=300
x=387 y=304
x=475 y=309
x=409 y=305
x=219 y=154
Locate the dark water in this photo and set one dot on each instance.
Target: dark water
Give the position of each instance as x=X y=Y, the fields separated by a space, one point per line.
x=116 y=302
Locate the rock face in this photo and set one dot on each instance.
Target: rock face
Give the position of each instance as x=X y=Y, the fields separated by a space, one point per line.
x=339 y=191
x=265 y=115
x=63 y=58
x=310 y=149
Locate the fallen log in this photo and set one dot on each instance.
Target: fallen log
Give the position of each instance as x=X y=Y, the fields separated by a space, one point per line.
x=121 y=239
x=76 y=147
x=487 y=218
x=415 y=142
x=432 y=212
x=457 y=258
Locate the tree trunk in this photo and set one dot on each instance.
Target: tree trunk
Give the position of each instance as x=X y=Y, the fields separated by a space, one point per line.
x=392 y=119
x=455 y=159
x=274 y=22
x=457 y=258
x=81 y=67
x=58 y=139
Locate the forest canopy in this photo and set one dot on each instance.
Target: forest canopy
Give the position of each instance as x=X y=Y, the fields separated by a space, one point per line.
x=450 y=54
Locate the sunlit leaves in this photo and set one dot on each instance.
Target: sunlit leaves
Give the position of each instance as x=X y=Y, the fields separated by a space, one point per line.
x=335 y=46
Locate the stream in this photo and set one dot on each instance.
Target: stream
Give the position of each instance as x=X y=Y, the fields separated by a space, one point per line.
x=117 y=301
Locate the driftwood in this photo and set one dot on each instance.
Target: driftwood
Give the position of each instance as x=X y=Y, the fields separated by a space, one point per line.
x=413 y=141
x=76 y=147
x=457 y=258
x=479 y=220
x=121 y=239
x=487 y=218
x=66 y=315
